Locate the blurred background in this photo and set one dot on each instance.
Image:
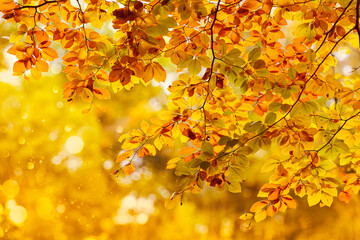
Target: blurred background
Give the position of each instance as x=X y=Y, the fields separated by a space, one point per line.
x=56 y=178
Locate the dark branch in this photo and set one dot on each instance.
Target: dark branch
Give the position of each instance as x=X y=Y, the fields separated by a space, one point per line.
x=337 y=131
x=334 y=25
x=37 y=6
x=357 y=19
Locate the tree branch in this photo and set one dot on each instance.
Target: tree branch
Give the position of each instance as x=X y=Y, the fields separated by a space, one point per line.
x=357 y=19
x=334 y=25
x=40 y=5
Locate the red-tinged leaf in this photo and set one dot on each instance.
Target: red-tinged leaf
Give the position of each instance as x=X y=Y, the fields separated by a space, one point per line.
x=151 y=149
x=186 y=131
x=101 y=93
x=124 y=155
x=289 y=201
x=271 y=210
x=274 y=195
x=143 y=152
x=225 y=31
x=219 y=82
x=258 y=206
x=114 y=75
x=129 y=168
x=125 y=76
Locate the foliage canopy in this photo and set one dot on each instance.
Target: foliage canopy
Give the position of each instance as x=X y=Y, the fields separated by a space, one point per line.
x=252 y=75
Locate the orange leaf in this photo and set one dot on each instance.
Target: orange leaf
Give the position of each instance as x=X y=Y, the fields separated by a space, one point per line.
x=94 y=35
x=159 y=72
x=143 y=152
x=187 y=150
x=260 y=109
x=271 y=210
x=19 y=67
x=148 y=73
x=289 y=201
x=50 y=52
x=42 y=66
x=258 y=205
x=124 y=155
x=42 y=36
x=274 y=194
x=267 y=6
x=101 y=93
x=251 y=4
x=129 y=168
x=344 y=196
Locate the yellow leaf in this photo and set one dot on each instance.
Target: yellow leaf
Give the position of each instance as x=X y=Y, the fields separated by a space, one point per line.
x=86 y=95
x=172 y=163
x=246 y=216
x=301 y=30
x=144 y=125
x=327 y=199
x=16 y=36
x=158 y=143
x=151 y=149
x=260 y=216
x=194 y=67
x=171 y=201
x=314 y=199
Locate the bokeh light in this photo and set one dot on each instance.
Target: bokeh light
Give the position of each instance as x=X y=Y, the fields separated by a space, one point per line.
x=10 y=188
x=74 y=144
x=18 y=214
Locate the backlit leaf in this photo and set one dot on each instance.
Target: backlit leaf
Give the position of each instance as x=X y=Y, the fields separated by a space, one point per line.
x=129 y=168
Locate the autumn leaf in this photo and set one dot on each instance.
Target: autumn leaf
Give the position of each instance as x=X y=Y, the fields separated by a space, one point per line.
x=129 y=168
x=124 y=155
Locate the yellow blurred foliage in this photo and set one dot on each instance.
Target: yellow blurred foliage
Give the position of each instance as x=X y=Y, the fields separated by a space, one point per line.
x=56 y=181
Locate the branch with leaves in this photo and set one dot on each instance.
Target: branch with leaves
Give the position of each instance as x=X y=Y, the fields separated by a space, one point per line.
x=252 y=75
